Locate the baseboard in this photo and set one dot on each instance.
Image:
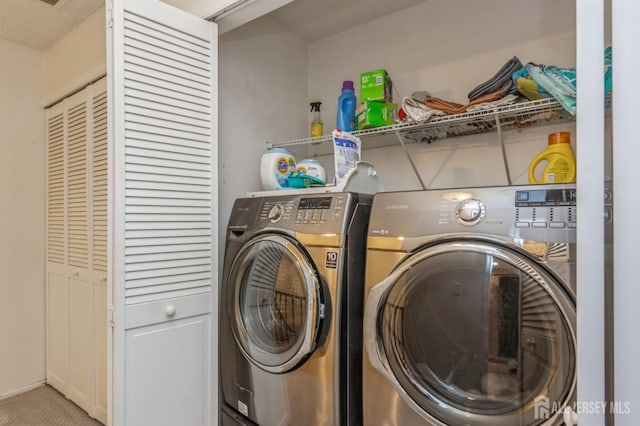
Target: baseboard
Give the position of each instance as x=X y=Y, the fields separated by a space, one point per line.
x=22 y=389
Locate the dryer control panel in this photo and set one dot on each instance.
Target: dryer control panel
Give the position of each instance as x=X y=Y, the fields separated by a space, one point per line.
x=545 y=208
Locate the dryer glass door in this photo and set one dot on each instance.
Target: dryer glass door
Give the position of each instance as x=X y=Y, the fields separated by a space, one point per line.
x=474 y=333
x=274 y=306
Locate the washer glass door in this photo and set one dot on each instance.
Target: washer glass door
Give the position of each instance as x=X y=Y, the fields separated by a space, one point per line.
x=474 y=333
x=274 y=303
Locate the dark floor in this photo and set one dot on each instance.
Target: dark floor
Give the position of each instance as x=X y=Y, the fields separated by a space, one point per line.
x=42 y=406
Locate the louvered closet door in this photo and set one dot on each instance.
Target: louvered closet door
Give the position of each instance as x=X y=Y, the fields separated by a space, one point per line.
x=76 y=248
x=98 y=184
x=162 y=100
x=166 y=150
x=77 y=188
x=55 y=186
x=57 y=283
x=80 y=387
x=99 y=177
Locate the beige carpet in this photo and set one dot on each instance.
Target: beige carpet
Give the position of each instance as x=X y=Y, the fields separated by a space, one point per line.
x=42 y=406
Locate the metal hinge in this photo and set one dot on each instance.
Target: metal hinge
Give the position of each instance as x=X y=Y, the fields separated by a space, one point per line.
x=110 y=316
x=109 y=15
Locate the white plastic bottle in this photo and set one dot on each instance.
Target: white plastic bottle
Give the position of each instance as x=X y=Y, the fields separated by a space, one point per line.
x=275 y=166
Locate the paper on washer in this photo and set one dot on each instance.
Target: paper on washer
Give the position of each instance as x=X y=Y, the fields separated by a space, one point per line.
x=346 y=153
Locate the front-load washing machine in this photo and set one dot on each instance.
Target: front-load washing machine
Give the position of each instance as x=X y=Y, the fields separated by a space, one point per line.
x=470 y=307
x=293 y=274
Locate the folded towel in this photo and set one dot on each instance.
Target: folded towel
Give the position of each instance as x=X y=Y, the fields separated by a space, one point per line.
x=527 y=86
x=418 y=111
x=455 y=108
x=422 y=112
x=506 y=100
x=558 y=82
x=500 y=82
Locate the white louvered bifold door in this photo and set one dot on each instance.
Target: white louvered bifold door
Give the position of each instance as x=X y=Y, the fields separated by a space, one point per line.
x=57 y=286
x=77 y=187
x=99 y=181
x=56 y=212
x=164 y=205
x=98 y=187
x=166 y=151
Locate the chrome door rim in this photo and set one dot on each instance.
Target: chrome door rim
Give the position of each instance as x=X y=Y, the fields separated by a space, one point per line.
x=298 y=352
x=379 y=360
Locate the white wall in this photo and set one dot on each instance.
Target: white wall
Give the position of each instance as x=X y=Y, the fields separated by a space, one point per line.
x=263 y=86
x=22 y=219
x=76 y=59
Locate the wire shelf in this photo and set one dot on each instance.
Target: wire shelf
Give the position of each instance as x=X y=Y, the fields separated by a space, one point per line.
x=519 y=115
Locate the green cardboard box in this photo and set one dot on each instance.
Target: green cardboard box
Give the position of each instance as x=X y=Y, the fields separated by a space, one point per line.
x=375 y=86
x=377 y=114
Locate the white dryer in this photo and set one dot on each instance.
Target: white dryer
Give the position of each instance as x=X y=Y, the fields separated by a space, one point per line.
x=470 y=307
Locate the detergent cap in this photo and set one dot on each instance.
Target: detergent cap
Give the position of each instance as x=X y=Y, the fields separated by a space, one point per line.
x=559 y=137
x=347 y=84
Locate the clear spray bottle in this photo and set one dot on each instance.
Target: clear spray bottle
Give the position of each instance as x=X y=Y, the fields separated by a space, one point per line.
x=316 y=124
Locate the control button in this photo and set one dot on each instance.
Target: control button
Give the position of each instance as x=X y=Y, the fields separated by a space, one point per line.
x=300 y=215
x=556 y=225
x=307 y=215
x=522 y=224
x=539 y=224
x=470 y=212
x=316 y=215
x=572 y=224
x=340 y=202
x=336 y=214
x=275 y=214
x=324 y=214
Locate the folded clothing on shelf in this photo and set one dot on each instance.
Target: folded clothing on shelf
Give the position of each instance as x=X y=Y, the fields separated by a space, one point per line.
x=537 y=81
x=418 y=111
x=452 y=108
x=500 y=82
x=482 y=106
x=422 y=108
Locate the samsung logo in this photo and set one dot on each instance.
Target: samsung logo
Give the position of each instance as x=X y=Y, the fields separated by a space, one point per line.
x=397 y=207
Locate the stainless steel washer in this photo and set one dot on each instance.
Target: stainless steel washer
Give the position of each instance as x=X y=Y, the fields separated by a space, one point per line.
x=293 y=275
x=470 y=307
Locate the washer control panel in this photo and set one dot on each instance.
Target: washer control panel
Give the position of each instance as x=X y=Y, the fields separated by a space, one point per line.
x=274 y=211
x=319 y=210
x=309 y=212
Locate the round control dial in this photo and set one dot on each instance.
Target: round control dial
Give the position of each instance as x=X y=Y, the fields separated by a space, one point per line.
x=470 y=212
x=275 y=214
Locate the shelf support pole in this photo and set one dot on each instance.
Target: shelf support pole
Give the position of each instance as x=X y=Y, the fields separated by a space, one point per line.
x=504 y=152
x=413 y=165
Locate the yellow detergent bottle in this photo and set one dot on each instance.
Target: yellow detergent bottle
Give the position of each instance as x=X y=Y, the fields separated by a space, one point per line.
x=560 y=158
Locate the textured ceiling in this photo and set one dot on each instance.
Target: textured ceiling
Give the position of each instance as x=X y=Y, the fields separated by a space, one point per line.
x=38 y=25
